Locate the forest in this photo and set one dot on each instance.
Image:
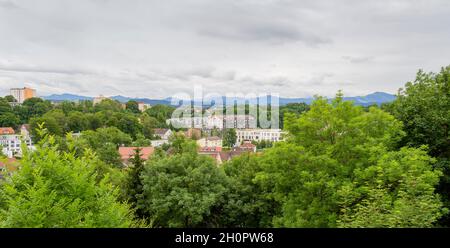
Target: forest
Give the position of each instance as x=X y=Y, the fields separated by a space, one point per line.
x=340 y=165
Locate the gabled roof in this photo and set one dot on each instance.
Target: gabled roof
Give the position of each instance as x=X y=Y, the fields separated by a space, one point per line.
x=247 y=145
x=128 y=152
x=210 y=149
x=6 y=130
x=160 y=131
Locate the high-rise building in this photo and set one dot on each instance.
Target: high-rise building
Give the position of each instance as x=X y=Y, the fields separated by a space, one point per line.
x=22 y=94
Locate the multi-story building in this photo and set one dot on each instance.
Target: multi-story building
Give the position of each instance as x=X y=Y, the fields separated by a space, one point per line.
x=214 y=121
x=143 y=106
x=11 y=143
x=213 y=141
x=272 y=135
x=22 y=94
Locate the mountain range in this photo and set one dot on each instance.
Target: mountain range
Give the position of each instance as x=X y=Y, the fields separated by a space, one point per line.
x=370 y=99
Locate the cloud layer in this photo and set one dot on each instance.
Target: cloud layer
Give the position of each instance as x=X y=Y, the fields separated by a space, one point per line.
x=157 y=48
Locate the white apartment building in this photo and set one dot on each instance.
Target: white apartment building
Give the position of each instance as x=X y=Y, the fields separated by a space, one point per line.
x=12 y=143
x=273 y=135
x=214 y=121
x=157 y=143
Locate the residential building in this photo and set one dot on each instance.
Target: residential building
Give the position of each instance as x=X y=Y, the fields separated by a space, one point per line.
x=128 y=152
x=213 y=154
x=22 y=94
x=163 y=133
x=273 y=135
x=247 y=146
x=158 y=143
x=143 y=106
x=11 y=143
x=213 y=141
x=6 y=131
x=222 y=156
x=214 y=121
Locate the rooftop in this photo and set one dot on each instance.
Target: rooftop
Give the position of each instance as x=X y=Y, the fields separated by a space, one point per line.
x=6 y=130
x=128 y=152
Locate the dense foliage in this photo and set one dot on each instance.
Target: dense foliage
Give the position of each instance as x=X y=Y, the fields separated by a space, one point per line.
x=424 y=108
x=340 y=165
x=54 y=189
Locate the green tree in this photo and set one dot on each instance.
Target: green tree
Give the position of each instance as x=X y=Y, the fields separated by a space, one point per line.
x=10 y=98
x=398 y=191
x=327 y=150
x=4 y=106
x=77 y=122
x=181 y=190
x=105 y=142
x=424 y=108
x=33 y=107
x=133 y=107
x=229 y=137
x=54 y=189
x=108 y=105
x=129 y=124
x=292 y=108
x=50 y=123
x=246 y=203
x=148 y=124
x=9 y=120
x=134 y=186
x=161 y=113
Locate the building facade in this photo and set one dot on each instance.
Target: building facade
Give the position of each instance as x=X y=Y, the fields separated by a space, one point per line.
x=22 y=94
x=12 y=144
x=213 y=141
x=273 y=135
x=143 y=106
x=214 y=121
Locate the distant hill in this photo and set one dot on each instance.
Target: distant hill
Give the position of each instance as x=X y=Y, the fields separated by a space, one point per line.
x=373 y=98
x=66 y=97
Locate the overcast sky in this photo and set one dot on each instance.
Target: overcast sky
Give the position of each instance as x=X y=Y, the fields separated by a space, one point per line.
x=157 y=48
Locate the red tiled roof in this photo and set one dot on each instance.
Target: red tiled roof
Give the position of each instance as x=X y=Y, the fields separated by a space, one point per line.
x=210 y=149
x=6 y=130
x=248 y=145
x=128 y=152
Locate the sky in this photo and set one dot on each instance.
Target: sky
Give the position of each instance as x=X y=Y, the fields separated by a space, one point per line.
x=154 y=48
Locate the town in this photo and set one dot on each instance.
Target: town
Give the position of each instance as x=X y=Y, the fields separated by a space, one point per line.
x=213 y=136
x=103 y=162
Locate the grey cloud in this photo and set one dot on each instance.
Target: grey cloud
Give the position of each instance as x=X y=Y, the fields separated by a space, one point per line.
x=358 y=59
x=39 y=69
x=153 y=48
x=8 y=5
x=270 y=32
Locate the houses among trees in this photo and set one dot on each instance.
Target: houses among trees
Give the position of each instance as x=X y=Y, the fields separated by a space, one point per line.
x=334 y=164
